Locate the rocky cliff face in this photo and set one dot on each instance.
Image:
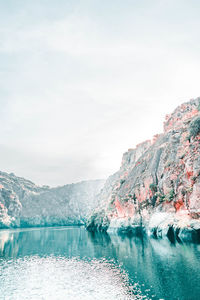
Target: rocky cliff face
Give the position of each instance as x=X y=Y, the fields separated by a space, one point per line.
x=24 y=204
x=158 y=183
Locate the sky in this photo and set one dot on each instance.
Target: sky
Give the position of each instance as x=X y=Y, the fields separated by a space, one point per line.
x=81 y=81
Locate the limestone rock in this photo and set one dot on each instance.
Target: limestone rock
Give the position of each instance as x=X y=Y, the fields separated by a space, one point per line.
x=158 y=183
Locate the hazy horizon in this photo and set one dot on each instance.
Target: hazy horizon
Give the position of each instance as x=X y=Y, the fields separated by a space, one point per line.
x=83 y=81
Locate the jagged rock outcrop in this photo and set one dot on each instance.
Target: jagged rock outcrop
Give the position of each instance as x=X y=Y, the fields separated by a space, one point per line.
x=24 y=204
x=158 y=184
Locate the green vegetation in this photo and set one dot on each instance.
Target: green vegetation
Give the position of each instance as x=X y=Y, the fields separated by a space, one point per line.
x=113 y=198
x=153 y=200
x=125 y=199
x=198 y=107
x=194 y=128
x=168 y=164
x=183 y=192
x=122 y=181
x=133 y=197
x=194 y=178
x=153 y=187
x=182 y=156
x=161 y=197
x=170 y=196
x=112 y=201
x=189 y=189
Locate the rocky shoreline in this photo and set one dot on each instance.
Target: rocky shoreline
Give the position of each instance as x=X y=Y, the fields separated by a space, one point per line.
x=161 y=225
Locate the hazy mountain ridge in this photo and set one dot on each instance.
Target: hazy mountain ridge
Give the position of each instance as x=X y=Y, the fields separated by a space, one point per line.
x=158 y=183
x=24 y=204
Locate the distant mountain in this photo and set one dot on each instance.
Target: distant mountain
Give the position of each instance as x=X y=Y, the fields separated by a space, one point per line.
x=158 y=183
x=24 y=204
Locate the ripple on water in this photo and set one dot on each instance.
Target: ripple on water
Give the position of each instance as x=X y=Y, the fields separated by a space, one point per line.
x=60 y=278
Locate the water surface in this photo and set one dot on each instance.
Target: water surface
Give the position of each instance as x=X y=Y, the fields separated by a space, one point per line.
x=71 y=263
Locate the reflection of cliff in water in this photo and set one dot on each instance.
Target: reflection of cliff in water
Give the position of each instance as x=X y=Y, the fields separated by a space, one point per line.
x=45 y=241
x=169 y=271
x=161 y=267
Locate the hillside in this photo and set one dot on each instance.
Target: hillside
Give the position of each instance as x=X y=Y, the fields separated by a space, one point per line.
x=24 y=204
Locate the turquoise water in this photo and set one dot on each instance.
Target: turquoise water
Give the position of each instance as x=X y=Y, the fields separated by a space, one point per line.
x=71 y=263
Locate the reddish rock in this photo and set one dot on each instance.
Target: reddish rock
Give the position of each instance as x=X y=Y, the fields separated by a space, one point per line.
x=160 y=176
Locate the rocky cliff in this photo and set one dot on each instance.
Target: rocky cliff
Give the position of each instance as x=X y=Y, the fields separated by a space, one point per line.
x=24 y=204
x=158 y=184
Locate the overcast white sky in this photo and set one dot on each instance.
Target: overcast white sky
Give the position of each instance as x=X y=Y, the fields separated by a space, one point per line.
x=83 y=81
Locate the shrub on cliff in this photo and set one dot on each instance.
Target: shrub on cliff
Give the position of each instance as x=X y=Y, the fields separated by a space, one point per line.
x=122 y=181
x=194 y=128
x=133 y=197
x=153 y=200
x=153 y=187
x=124 y=200
x=170 y=196
x=161 y=197
x=198 y=107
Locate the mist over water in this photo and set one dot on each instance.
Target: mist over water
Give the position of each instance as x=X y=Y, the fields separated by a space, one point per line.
x=71 y=263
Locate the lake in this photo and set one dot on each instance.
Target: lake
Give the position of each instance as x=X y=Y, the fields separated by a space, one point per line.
x=70 y=263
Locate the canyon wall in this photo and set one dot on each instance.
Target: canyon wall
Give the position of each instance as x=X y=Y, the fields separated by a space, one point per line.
x=158 y=184
x=24 y=204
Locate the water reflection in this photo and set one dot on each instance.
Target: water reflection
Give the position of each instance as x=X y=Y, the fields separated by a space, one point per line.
x=163 y=270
